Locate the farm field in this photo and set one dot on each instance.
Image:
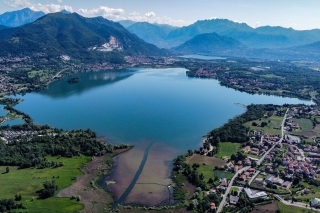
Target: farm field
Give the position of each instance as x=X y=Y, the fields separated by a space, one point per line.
x=202 y=159
x=27 y=181
x=293 y=209
x=305 y=124
x=226 y=149
x=272 y=122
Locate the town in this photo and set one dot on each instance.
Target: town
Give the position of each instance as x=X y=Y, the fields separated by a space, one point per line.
x=283 y=167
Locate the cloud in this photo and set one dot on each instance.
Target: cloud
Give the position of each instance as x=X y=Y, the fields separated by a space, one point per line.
x=47 y=8
x=106 y=12
x=150 y=14
x=153 y=18
x=115 y=14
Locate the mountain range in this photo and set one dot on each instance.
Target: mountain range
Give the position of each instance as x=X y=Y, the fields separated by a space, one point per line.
x=210 y=43
x=82 y=38
x=19 y=17
x=98 y=38
x=261 y=37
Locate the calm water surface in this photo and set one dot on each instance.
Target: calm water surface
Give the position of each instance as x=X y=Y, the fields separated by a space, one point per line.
x=2 y=111
x=13 y=122
x=203 y=57
x=129 y=106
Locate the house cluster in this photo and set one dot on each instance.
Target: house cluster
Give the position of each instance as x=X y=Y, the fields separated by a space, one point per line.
x=247 y=174
x=270 y=179
x=304 y=111
x=223 y=185
x=260 y=147
x=8 y=135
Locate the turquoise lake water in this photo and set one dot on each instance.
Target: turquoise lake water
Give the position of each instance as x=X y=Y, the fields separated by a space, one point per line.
x=134 y=105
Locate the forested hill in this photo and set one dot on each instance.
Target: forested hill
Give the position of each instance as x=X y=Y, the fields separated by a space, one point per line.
x=210 y=43
x=82 y=38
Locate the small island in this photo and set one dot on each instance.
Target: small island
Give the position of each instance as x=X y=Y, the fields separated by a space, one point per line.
x=73 y=80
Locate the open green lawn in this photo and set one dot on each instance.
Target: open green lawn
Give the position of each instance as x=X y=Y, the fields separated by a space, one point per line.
x=222 y=174
x=226 y=149
x=311 y=187
x=28 y=181
x=207 y=171
x=292 y=209
x=305 y=124
x=273 y=121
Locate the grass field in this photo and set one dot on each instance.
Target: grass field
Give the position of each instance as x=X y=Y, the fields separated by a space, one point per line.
x=305 y=124
x=273 y=121
x=222 y=174
x=226 y=149
x=28 y=181
x=207 y=171
x=293 y=209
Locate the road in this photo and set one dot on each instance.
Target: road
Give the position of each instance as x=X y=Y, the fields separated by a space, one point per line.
x=224 y=197
x=253 y=177
x=279 y=141
x=297 y=204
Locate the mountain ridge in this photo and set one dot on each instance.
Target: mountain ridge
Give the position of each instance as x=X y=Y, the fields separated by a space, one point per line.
x=59 y=34
x=20 y=17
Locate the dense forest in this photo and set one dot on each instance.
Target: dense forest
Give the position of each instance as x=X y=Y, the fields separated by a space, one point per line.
x=31 y=150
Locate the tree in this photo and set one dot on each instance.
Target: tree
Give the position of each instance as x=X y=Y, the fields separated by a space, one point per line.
x=7 y=169
x=18 y=197
x=49 y=188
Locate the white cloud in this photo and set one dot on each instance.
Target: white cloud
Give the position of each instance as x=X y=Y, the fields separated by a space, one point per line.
x=153 y=18
x=106 y=12
x=150 y=14
x=47 y=8
x=114 y=14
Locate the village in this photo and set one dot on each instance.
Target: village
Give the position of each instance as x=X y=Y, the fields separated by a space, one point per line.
x=283 y=167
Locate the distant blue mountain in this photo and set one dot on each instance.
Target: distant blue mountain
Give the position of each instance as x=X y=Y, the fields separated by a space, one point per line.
x=126 y=23
x=152 y=33
x=20 y=17
x=2 y=27
x=66 y=12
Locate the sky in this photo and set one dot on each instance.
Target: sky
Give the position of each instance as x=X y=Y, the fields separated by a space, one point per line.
x=298 y=14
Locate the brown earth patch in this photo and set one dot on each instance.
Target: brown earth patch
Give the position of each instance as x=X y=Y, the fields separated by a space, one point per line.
x=93 y=199
x=139 y=210
x=153 y=186
x=270 y=208
x=315 y=132
x=125 y=167
x=202 y=159
x=190 y=188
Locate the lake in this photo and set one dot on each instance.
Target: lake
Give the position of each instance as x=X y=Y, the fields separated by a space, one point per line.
x=2 y=111
x=13 y=122
x=128 y=106
x=162 y=112
x=202 y=57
